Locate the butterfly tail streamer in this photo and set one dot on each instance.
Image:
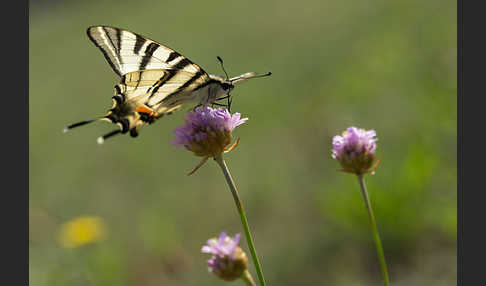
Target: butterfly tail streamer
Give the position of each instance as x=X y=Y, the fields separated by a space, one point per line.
x=100 y=139
x=77 y=124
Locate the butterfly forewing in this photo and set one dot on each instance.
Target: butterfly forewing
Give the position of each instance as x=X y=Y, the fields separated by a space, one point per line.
x=128 y=52
x=158 y=70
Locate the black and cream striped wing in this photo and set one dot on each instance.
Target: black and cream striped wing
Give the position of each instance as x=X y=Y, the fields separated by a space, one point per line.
x=163 y=88
x=128 y=52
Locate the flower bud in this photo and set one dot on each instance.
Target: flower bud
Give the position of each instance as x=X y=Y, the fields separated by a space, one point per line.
x=228 y=261
x=355 y=150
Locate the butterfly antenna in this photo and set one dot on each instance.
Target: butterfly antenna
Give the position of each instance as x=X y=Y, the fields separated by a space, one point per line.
x=248 y=75
x=74 y=125
x=102 y=139
x=262 y=75
x=222 y=66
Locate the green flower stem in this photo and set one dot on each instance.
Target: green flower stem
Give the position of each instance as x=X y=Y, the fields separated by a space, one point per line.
x=241 y=211
x=248 y=279
x=374 y=229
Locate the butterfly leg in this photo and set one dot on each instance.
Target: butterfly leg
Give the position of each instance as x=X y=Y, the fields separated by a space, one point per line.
x=219 y=104
x=227 y=105
x=230 y=100
x=224 y=97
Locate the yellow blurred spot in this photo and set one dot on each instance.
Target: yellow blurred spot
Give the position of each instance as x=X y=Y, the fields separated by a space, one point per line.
x=81 y=231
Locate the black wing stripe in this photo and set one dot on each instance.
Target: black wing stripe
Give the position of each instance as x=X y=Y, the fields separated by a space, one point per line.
x=116 y=48
x=169 y=76
x=179 y=66
x=182 y=64
x=172 y=56
x=205 y=84
x=151 y=48
x=139 y=41
x=118 y=45
x=107 y=57
x=185 y=85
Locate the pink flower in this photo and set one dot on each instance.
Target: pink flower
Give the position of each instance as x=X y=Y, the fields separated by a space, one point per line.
x=207 y=131
x=355 y=150
x=228 y=261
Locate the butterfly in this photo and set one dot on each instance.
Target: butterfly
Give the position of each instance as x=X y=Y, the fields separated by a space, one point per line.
x=155 y=81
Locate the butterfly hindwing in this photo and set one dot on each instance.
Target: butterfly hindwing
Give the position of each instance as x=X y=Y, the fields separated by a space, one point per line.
x=178 y=84
x=161 y=86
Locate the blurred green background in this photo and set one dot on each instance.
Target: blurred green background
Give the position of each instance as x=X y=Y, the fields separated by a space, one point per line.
x=383 y=65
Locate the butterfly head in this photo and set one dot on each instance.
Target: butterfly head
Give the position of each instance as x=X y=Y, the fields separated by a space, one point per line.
x=227 y=86
x=224 y=87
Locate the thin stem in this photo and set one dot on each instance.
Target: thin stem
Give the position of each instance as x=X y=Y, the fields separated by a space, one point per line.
x=248 y=279
x=241 y=211
x=374 y=230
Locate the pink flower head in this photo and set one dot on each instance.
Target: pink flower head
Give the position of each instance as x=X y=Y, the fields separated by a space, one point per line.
x=228 y=261
x=355 y=150
x=223 y=246
x=207 y=132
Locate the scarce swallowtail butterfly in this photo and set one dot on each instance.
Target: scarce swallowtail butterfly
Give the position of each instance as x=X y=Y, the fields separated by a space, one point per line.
x=155 y=81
